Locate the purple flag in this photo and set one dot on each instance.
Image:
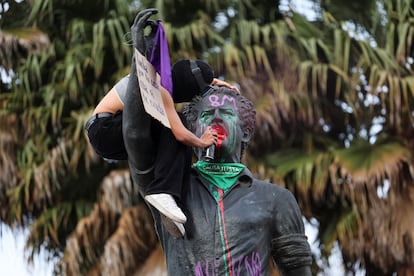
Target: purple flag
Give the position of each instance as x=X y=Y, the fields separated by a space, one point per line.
x=160 y=58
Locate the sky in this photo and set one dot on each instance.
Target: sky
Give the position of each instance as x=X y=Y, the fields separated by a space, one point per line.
x=12 y=259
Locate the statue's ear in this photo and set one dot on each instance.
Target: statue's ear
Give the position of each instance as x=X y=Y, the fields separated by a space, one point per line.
x=246 y=136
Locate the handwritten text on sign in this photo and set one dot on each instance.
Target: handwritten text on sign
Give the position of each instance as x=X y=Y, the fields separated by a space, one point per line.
x=149 y=83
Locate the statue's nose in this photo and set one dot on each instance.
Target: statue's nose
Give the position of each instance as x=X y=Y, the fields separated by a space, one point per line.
x=217 y=116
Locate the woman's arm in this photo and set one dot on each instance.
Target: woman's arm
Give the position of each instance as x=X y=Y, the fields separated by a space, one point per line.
x=110 y=103
x=181 y=133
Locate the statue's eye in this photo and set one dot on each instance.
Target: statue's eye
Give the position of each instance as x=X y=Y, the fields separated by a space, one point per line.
x=206 y=114
x=228 y=111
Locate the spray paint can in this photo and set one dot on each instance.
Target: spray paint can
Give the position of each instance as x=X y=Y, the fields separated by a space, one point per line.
x=208 y=154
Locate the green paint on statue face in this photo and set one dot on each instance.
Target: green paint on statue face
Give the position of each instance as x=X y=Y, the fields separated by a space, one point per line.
x=220 y=112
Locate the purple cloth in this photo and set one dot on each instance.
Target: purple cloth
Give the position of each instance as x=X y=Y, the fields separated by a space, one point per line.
x=160 y=58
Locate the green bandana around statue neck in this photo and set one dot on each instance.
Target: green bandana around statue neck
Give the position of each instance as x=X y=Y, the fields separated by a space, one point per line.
x=222 y=175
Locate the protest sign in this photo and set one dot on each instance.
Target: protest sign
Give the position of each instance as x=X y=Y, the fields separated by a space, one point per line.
x=149 y=83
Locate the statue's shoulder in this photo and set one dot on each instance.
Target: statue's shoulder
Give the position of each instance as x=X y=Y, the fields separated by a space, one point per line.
x=269 y=186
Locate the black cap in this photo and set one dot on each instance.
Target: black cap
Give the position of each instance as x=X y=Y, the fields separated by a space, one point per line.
x=190 y=78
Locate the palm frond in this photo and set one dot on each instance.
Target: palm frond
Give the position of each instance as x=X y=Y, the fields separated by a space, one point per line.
x=9 y=141
x=310 y=172
x=40 y=10
x=365 y=163
x=340 y=226
x=126 y=228
x=16 y=44
x=385 y=234
x=50 y=224
x=128 y=249
x=116 y=28
x=38 y=180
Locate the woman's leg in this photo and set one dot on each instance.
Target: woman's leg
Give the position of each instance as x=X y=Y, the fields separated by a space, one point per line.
x=173 y=162
x=105 y=135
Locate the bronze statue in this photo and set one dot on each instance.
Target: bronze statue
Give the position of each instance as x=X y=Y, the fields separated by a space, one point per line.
x=236 y=224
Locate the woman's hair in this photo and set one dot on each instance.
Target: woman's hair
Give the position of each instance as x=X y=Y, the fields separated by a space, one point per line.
x=245 y=111
x=185 y=84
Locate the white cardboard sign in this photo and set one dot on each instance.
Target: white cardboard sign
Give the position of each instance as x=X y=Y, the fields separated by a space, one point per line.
x=149 y=83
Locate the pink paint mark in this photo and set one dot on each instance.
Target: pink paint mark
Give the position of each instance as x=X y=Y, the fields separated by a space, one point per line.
x=216 y=101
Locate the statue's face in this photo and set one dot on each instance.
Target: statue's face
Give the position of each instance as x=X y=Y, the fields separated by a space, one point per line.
x=220 y=112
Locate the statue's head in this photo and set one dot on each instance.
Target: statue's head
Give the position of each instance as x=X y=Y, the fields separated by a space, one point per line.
x=230 y=114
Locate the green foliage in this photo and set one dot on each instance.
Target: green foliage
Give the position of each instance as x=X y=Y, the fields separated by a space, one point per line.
x=53 y=92
x=334 y=100
x=53 y=223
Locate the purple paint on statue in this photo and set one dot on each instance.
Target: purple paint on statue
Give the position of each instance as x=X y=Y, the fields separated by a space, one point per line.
x=216 y=101
x=160 y=58
x=250 y=264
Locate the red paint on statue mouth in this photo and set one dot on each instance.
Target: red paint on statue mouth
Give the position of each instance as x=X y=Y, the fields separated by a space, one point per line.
x=221 y=135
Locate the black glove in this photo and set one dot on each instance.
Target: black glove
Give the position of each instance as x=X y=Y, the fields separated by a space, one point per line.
x=141 y=42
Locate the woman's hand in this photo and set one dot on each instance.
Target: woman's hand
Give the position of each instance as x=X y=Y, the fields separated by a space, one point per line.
x=209 y=137
x=218 y=82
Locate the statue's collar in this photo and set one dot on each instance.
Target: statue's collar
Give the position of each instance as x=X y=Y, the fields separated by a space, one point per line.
x=245 y=178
